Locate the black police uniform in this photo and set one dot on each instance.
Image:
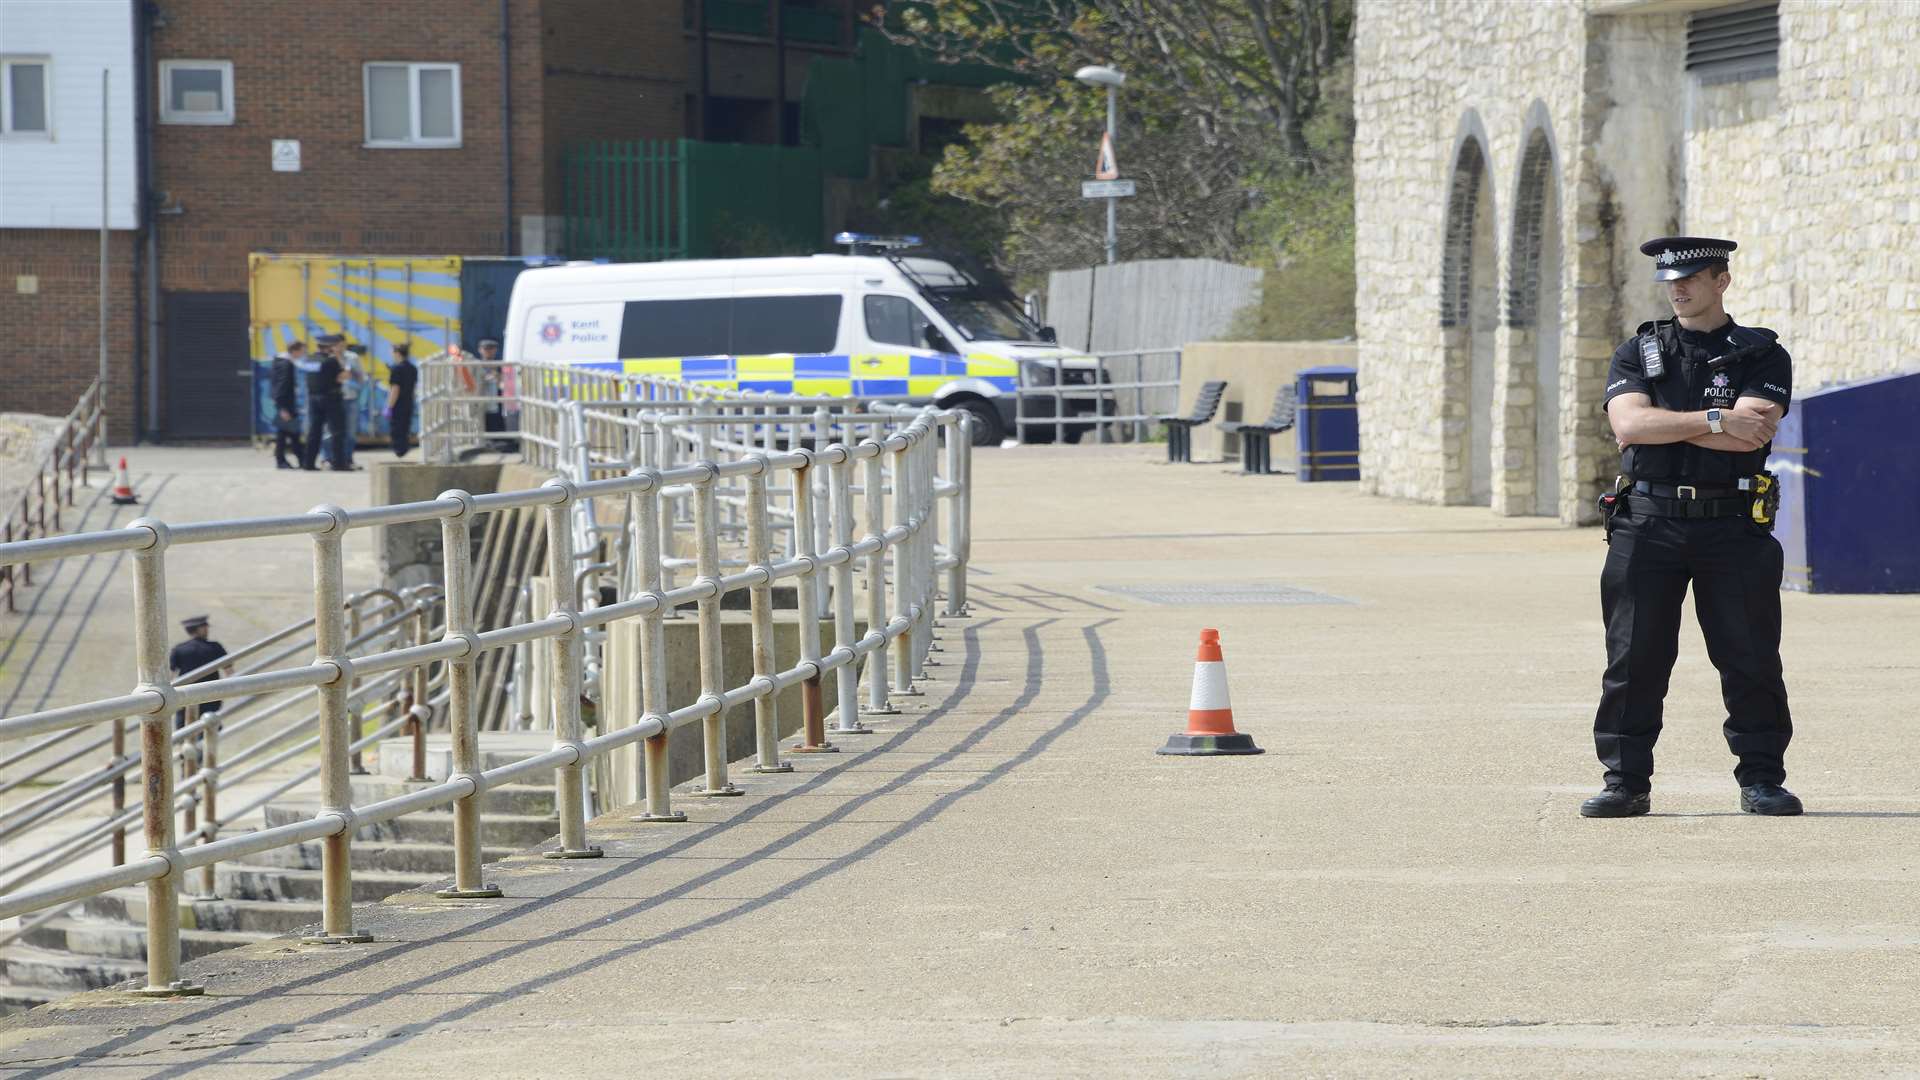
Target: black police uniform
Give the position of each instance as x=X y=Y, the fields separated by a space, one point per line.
x=326 y=411
x=191 y=655
x=1688 y=519
x=402 y=376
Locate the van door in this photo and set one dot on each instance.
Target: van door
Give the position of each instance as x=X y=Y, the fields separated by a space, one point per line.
x=908 y=353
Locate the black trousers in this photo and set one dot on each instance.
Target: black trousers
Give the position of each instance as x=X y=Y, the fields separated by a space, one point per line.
x=330 y=414
x=286 y=440
x=1734 y=568
x=401 y=426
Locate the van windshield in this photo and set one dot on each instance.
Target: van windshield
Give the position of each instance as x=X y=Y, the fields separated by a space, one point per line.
x=978 y=304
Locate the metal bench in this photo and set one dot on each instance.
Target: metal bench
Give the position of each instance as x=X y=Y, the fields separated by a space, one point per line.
x=1256 y=455
x=1180 y=428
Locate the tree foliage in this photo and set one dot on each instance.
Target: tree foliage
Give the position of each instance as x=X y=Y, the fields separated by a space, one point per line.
x=1235 y=121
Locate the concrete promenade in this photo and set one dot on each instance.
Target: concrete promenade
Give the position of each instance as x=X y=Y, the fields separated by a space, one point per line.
x=1005 y=881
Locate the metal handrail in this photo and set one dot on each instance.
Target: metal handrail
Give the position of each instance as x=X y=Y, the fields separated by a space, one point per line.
x=1101 y=392
x=76 y=793
x=82 y=432
x=920 y=456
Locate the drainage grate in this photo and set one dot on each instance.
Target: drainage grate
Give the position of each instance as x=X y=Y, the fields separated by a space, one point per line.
x=1225 y=593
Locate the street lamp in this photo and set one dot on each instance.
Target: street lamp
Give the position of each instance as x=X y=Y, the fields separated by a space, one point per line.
x=1097 y=75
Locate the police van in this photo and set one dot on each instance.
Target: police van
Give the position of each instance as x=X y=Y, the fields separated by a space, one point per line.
x=880 y=322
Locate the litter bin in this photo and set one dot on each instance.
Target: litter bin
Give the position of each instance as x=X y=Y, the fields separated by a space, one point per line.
x=1327 y=428
x=1848 y=459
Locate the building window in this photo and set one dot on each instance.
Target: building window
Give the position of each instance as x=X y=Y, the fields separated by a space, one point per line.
x=26 y=107
x=196 y=91
x=413 y=105
x=1732 y=44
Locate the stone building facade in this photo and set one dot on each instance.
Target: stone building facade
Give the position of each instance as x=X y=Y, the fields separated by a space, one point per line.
x=1511 y=157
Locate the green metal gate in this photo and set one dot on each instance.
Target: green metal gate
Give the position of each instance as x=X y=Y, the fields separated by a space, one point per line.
x=627 y=201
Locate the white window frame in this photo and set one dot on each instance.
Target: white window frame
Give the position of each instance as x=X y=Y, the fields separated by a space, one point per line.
x=45 y=63
x=414 y=141
x=169 y=116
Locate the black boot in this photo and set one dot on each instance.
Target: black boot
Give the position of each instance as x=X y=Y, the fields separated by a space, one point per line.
x=1769 y=799
x=1616 y=801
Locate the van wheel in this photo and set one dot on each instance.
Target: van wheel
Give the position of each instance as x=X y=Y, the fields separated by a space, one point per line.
x=986 y=421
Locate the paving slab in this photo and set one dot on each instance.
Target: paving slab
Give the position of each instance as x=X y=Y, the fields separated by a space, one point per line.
x=1006 y=881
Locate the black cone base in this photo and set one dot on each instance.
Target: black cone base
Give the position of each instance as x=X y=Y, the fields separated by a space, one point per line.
x=1209 y=745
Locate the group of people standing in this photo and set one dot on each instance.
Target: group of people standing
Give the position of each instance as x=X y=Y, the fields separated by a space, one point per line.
x=334 y=384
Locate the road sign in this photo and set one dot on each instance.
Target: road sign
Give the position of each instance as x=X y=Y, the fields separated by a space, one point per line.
x=1105 y=189
x=1106 y=166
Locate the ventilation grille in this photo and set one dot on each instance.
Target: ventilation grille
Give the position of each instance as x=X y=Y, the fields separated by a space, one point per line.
x=1734 y=43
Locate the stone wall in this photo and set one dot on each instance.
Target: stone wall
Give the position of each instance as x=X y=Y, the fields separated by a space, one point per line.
x=1817 y=175
x=1449 y=97
x=1582 y=111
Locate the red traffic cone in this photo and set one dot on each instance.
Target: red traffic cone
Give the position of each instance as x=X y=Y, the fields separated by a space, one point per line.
x=1209 y=713
x=123 y=486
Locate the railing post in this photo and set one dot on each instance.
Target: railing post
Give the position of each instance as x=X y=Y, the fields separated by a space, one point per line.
x=569 y=779
x=766 y=708
x=657 y=767
x=713 y=681
x=119 y=790
x=418 y=711
x=958 y=435
x=847 y=679
x=356 y=764
x=456 y=560
x=156 y=763
x=905 y=589
x=926 y=547
x=813 y=712
x=210 y=796
x=336 y=795
x=877 y=704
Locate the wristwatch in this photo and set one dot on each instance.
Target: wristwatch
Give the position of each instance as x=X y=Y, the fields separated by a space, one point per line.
x=1713 y=421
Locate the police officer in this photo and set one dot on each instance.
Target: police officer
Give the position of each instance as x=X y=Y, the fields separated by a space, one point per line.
x=1693 y=402
x=192 y=654
x=326 y=410
x=286 y=406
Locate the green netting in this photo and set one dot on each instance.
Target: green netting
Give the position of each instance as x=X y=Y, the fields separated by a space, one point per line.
x=855 y=104
x=752 y=200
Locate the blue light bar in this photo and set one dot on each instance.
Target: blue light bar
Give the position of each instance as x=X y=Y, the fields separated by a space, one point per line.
x=874 y=242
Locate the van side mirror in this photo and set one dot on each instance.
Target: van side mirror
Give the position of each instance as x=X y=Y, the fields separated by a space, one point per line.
x=1049 y=335
x=936 y=340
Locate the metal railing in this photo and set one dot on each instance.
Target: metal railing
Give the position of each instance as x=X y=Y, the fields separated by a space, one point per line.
x=38 y=511
x=401 y=703
x=920 y=456
x=1122 y=394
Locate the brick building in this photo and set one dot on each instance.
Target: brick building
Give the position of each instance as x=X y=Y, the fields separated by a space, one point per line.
x=357 y=127
x=1509 y=160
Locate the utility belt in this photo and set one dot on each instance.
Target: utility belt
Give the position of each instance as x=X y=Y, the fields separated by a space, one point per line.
x=1754 y=497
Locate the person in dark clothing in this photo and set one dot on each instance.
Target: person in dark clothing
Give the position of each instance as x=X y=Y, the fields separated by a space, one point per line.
x=1694 y=404
x=402 y=376
x=193 y=654
x=286 y=406
x=326 y=410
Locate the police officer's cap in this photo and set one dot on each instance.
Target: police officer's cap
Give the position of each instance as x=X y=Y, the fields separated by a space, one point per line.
x=330 y=339
x=193 y=622
x=1675 y=257
x=484 y=342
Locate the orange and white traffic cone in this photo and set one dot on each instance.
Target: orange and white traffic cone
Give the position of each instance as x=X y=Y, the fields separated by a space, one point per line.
x=1209 y=712
x=123 y=486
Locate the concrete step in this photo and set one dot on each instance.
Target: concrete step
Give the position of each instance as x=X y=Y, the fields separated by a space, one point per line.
x=123 y=941
x=395 y=756
x=25 y=965
x=15 y=1000
x=248 y=916
x=506 y=799
x=240 y=882
x=501 y=830
x=373 y=855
